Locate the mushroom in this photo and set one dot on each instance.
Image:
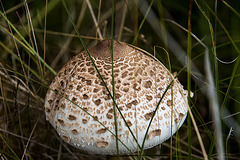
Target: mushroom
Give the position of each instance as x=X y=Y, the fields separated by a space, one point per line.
x=80 y=108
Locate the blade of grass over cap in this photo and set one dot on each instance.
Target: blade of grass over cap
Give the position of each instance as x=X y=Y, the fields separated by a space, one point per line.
x=154 y=113
x=113 y=82
x=84 y=46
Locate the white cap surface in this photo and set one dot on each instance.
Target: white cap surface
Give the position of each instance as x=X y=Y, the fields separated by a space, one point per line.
x=140 y=81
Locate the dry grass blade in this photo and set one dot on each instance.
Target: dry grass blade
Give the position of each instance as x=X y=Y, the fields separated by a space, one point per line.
x=25 y=44
x=30 y=136
x=94 y=19
x=123 y=20
x=45 y=35
x=70 y=36
x=98 y=19
x=198 y=134
x=31 y=30
x=10 y=29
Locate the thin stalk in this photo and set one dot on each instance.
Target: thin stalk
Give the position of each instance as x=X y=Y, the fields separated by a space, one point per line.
x=171 y=123
x=35 y=47
x=170 y=71
x=72 y=35
x=44 y=35
x=144 y=18
x=189 y=48
x=229 y=134
x=211 y=147
x=231 y=8
x=123 y=20
x=98 y=18
x=135 y=20
x=154 y=113
x=113 y=82
x=162 y=24
x=190 y=112
x=94 y=19
x=25 y=150
x=214 y=50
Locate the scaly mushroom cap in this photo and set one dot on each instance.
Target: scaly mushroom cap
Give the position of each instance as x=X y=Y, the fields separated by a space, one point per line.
x=140 y=82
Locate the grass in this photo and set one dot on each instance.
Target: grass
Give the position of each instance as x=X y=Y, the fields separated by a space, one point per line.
x=33 y=33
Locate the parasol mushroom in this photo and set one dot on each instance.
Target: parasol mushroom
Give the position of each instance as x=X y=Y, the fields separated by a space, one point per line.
x=80 y=108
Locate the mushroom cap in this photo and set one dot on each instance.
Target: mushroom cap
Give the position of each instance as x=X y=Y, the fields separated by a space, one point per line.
x=80 y=108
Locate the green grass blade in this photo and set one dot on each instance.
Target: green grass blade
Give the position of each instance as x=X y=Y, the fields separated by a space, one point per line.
x=231 y=8
x=154 y=113
x=236 y=63
x=140 y=27
x=24 y=64
x=113 y=82
x=218 y=131
x=84 y=46
x=37 y=82
x=162 y=24
x=29 y=48
x=16 y=157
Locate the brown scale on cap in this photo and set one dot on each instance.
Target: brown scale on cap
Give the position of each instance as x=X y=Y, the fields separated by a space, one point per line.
x=103 y=144
x=66 y=138
x=154 y=133
x=103 y=130
x=72 y=117
x=74 y=131
x=148 y=115
x=140 y=82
